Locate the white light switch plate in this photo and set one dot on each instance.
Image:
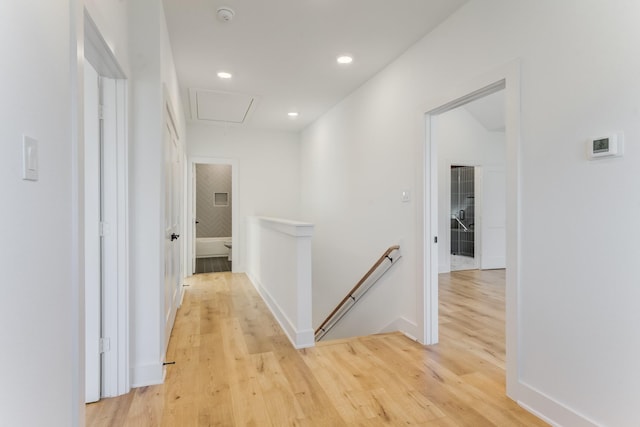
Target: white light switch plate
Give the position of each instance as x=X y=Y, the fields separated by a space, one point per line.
x=29 y=158
x=406 y=196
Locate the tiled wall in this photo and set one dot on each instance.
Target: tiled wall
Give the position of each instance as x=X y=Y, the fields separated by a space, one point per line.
x=463 y=199
x=215 y=221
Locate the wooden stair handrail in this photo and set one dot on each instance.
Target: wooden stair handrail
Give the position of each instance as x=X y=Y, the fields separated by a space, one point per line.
x=357 y=286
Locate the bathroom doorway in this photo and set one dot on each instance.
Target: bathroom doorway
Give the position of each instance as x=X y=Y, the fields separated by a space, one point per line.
x=213 y=218
x=471 y=142
x=470 y=135
x=213 y=246
x=506 y=79
x=471 y=186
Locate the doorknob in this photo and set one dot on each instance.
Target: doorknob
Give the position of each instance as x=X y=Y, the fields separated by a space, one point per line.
x=174 y=236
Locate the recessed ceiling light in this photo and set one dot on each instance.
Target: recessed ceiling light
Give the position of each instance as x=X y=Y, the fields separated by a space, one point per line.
x=224 y=75
x=293 y=114
x=345 y=59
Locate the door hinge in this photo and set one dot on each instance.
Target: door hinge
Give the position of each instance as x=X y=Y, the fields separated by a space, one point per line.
x=101 y=112
x=105 y=229
x=105 y=345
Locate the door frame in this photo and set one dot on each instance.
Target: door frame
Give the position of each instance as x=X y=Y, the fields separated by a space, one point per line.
x=191 y=214
x=115 y=297
x=93 y=239
x=506 y=77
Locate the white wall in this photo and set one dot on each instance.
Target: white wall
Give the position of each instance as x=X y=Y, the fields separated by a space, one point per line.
x=461 y=140
x=36 y=308
x=578 y=334
x=170 y=79
x=268 y=171
x=356 y=160
x=152 y=69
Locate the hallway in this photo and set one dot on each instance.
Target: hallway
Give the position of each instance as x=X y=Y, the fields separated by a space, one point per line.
x=235 y=366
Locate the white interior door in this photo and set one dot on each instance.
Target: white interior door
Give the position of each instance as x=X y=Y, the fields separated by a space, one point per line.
x=168 y=239
x=92 y=242
x=176 y=222
x=172 y=247
x=194 y=219
x=493 y=221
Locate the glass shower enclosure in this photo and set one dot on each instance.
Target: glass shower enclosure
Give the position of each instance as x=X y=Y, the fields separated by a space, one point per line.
x=462 y=210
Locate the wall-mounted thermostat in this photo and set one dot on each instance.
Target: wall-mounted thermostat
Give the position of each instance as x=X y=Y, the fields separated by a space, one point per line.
x=605 y=146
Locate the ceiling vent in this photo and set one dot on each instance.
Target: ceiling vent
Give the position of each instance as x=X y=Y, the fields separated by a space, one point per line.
x=215 y=106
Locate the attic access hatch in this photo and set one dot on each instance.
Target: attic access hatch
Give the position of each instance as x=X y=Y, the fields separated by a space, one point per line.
x=209 y=105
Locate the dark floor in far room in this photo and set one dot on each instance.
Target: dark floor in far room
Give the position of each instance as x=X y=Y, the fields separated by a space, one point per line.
x=212 y=265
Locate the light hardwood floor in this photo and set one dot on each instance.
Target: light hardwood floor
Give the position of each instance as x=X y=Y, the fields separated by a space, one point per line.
x=235 y=367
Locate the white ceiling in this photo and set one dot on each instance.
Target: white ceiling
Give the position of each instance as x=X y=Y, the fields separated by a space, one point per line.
x=283 y=52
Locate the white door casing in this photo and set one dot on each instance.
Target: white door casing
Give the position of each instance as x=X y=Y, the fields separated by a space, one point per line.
x=106 y=264
x=92 y=241
x=193 y=217
x=112 y=192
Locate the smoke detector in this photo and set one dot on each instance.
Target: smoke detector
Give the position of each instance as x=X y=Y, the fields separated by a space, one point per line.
x=225 y=14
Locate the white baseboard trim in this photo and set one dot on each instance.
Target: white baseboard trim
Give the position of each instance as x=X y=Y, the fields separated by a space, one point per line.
x=403 y=325
x=550 y=410
x=181 y=294
x=299 y=339
x=144 y=375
